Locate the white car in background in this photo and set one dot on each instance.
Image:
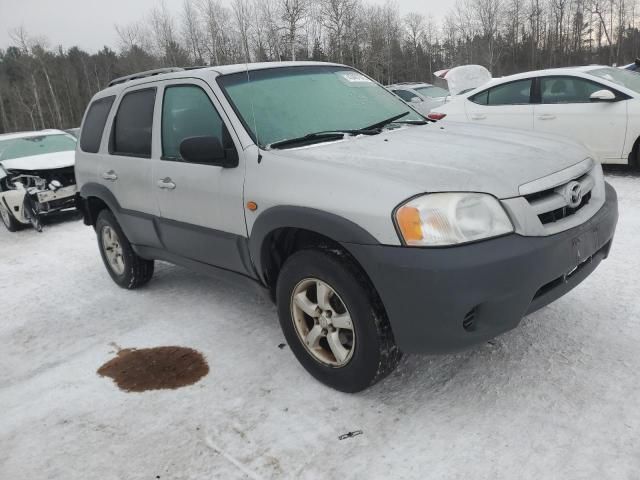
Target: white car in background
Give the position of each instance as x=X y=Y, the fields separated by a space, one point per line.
x=598 y=106
x=423 y=97
x=37 y=176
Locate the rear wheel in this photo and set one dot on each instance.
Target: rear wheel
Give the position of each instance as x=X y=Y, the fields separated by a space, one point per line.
x=126 y=268
x=8 y=219
x=333 y=320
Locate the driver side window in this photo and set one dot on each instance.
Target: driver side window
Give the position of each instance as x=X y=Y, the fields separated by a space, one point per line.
x=567 y=90
x=187 y=112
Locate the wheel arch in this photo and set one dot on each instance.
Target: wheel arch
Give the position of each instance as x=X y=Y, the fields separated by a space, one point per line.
x=280 y=231
x=633 y=159
x=94 y=198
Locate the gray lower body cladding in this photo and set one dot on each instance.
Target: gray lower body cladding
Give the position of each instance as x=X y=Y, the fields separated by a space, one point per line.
x=446 y=299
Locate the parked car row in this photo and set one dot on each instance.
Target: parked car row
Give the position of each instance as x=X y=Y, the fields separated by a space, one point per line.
x=597 y=106
x=374 y=231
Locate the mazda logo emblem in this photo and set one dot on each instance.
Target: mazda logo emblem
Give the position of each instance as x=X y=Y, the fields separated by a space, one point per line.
x=573 y=194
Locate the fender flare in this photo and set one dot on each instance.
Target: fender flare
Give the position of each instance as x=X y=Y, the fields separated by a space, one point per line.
x=100 y=191
x=95 y=190
x=330 y=225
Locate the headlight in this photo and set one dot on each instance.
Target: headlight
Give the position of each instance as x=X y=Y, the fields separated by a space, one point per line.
x=440 y=219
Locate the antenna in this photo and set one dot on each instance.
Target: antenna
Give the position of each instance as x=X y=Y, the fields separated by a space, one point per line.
x=253 y=111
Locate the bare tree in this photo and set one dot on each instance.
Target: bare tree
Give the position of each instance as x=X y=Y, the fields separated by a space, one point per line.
x=293 y=15
x=335 y=14
x=269 y=18
x=192 y=30
x=414 y=23
x=242 y=13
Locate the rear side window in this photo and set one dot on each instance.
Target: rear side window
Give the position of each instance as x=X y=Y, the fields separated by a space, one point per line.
x=514 y=93
x=187 y=112
x=133 y=124
x=93 y=126
x=481 y=98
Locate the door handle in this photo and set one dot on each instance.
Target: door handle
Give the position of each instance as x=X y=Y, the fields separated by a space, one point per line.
x=478 y=116
x=546 y=116
x=110 y=175
x=166 y=184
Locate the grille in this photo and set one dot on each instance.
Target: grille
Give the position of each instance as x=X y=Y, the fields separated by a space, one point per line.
x=552 y=205
x=59 y=204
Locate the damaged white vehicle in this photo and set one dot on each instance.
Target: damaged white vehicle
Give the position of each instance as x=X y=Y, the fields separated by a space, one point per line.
x=36 y=177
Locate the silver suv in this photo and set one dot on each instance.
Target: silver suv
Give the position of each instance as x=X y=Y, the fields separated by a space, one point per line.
x=374 y=231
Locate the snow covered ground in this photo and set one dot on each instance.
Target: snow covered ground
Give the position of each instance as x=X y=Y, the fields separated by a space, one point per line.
x=556 y=398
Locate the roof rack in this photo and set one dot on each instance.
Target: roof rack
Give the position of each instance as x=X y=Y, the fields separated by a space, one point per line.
x=148 y=73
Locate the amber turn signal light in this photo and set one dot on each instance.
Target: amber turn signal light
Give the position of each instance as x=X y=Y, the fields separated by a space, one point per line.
x=410 y=225
x=253 y=206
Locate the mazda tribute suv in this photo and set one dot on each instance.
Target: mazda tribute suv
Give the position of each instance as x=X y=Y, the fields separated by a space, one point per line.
x=374 y=231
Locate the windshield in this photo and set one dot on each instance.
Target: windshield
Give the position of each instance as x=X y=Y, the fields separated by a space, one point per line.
x=284 y=103
x=40 y=145
x=625 y=78
x=433 y=92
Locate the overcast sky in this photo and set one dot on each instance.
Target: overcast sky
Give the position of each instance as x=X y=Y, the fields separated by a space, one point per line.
x=90 y=23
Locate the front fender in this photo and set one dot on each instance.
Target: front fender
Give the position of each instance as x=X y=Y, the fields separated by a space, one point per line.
x=332 y=226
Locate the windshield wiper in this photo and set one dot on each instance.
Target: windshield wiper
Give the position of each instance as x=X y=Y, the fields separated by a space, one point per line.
x=325 y=136
x=384 y=123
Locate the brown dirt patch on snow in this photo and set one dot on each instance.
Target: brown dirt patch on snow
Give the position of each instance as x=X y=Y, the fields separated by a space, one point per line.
x=156 y=368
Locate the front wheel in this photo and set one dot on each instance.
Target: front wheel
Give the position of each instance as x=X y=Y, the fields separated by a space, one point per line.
x=8 y=219
x=126 y=268
x=333 y=320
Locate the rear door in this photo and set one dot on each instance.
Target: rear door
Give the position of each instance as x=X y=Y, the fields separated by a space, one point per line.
x=201 y=205
x=91 y=154
x=566 y=109
x=505 y=105
x=127 y=171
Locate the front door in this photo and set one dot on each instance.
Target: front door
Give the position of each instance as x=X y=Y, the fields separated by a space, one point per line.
x=566 y=109
x=201 y=206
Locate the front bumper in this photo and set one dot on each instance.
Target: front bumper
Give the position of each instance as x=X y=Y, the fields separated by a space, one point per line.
x=38 y=202
x=447 y=299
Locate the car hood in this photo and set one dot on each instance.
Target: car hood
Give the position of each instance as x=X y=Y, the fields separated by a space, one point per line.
x=455 y=157
x=48 y=161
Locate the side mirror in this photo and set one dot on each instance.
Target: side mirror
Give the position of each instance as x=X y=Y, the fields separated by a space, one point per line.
x=603 y=96
x=416 y=100
x=208 y=151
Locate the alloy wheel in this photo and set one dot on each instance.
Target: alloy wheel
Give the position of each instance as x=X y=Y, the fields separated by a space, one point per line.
x=322 y=322
x=113 y=249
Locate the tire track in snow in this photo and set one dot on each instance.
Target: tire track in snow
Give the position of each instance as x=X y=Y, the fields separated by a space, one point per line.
x=252 y=475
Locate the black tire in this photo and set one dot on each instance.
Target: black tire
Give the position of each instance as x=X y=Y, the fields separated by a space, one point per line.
x=8 y=219
x=375 y=354
x=137 y=271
